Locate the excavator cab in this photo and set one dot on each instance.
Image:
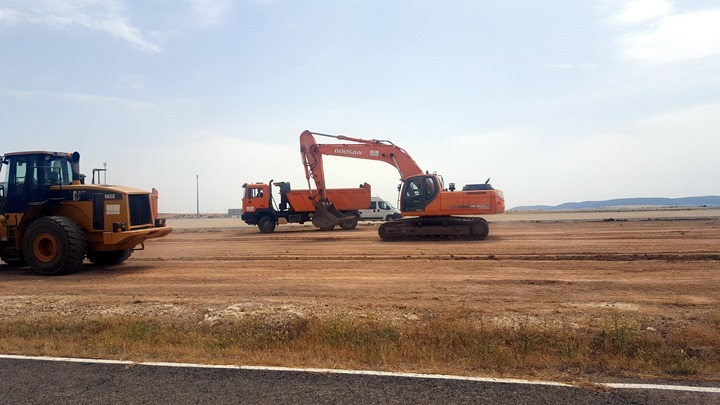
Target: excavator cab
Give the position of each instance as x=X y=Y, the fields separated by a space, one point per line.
x=418 y=191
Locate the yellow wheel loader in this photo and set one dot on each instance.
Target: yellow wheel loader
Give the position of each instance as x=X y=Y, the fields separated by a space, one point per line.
x=51 y=221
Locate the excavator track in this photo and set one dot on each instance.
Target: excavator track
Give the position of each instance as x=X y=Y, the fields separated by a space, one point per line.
x=434 y=228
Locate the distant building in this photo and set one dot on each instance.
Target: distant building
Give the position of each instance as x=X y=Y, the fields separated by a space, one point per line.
x=235 y=212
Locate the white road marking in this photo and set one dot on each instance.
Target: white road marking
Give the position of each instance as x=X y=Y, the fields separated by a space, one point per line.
x=662 y=387
x=689 y=388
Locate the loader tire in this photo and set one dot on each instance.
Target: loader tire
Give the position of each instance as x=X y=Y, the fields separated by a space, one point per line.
x=54 y=246
x=109 y=258
x=266 y=224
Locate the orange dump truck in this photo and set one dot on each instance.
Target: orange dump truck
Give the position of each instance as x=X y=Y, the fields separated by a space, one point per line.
x=297 y=206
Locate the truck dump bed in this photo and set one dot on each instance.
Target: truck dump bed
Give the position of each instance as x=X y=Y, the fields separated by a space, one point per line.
x=345 y=199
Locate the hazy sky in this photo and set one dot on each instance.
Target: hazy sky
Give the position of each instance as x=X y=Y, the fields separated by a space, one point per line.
x=555 y=101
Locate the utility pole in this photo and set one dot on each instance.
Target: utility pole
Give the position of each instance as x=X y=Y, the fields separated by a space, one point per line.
x=197 y=193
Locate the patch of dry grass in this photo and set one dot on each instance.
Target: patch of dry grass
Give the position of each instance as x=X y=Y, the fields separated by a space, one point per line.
x=449 y=343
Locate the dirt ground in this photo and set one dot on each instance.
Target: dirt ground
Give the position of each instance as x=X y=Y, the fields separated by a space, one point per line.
x=568 y=270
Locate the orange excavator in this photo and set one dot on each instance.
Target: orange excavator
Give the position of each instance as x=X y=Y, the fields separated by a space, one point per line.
x=429 y=210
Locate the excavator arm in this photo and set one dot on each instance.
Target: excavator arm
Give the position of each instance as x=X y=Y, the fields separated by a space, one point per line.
x=313 y=163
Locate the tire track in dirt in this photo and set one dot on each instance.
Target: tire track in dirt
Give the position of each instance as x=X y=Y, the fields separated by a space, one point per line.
x=519 y=257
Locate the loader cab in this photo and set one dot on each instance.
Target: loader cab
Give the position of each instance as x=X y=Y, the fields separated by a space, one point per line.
x=29 y=176
x=418 y=191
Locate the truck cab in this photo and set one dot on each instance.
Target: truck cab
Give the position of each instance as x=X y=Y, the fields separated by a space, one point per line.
x=256 y=198
x=379 y=210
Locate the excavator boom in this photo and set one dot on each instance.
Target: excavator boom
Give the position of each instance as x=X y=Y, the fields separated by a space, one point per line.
x=371 y=149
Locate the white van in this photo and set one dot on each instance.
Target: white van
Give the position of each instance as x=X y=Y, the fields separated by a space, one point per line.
x=380 y=210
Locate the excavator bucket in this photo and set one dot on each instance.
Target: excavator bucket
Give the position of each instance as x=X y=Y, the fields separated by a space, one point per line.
x=326 y=216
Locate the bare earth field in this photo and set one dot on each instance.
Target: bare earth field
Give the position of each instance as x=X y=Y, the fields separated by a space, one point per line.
x=562 y=270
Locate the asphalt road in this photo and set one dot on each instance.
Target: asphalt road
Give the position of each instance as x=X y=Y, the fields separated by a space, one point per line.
x=32 y=381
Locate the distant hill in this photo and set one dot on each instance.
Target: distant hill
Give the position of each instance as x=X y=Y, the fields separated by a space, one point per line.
x=706 y=201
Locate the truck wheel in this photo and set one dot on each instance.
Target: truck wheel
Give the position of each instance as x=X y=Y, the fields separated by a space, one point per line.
x=54 y=246
x=266 y=224
x=349 y=224
x=111 y=258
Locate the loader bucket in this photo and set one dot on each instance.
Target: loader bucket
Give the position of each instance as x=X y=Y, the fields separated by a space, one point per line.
x=326 y=216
